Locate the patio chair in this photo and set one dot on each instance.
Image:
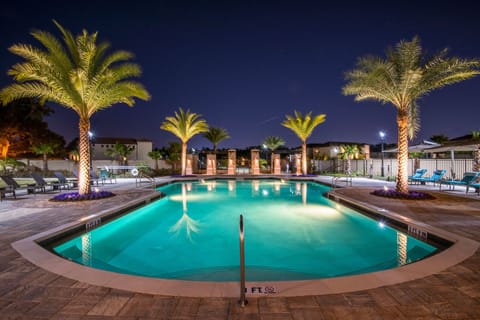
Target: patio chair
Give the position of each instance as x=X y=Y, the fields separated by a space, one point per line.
x=435 y=178
x=94 y=178
x=106 y=175
x=67 y=182
x=468 y=179
x=12 y=187
x=418 y=174
x=42 y=185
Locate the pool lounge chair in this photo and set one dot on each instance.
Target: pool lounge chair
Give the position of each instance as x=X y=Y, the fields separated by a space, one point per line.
x=107 y=175
x=62 y=179
x=435 y=178
x=418 y=174
x=468 y=179
x=42 y=185
x=13 y=186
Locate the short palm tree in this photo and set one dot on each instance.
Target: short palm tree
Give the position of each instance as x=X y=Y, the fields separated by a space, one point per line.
x=303 y=128
x=401 y=80
x=155 y=155
x=78 y=74
x=45 y=149
x=348 y=152
x=120 y=151
x=184 y=125
x=216 y=135
x=272 y=143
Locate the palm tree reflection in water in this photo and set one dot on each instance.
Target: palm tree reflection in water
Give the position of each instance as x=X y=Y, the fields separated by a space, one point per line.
x=185 y=222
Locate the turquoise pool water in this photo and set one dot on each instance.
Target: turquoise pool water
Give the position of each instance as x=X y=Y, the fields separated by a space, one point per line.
x=292 y=232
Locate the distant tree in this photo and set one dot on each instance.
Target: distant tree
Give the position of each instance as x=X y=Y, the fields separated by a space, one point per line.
x=45 y=149
x=272 y=143
x=216 y=135
x=121 y=152
x=173 y=154
x=303 y=128
x=78 y=74
x=184 y=125
x=348 y=152
x=401 y=80
x=9 y=164
x=439 y=138
x=155 y=155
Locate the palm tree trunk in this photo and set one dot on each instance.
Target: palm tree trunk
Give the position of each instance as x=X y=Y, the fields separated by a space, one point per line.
x=84 y=164
x=304 y=157
x=402 y=175
x=45 y=164
x=156 y=164
x=476 y=160
x=184 y=158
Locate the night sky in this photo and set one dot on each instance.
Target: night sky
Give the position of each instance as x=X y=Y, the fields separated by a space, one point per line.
x=244 y=65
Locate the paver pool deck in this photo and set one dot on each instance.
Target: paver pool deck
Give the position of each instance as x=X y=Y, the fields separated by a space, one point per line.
x=29 y=292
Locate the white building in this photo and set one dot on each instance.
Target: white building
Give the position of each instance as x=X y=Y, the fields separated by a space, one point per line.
x=101 y=144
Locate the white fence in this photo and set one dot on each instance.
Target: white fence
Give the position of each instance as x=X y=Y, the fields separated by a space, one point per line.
x=455 y=168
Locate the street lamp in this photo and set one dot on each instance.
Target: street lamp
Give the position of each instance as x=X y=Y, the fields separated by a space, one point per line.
x=90 y=138
x=382 y=139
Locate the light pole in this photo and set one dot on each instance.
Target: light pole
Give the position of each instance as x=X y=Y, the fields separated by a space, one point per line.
x=90 y=138
x=382 y=139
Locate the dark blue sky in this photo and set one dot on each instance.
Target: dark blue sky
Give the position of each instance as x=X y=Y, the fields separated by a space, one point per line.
x=244 y=65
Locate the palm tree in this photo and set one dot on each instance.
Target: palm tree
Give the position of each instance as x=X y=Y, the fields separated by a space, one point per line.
x=120 y=151
x=303 y=128
x=348 y=152
x=173 y=155
x=402 y=79
x=184 y=125
x=78 y=74
x=45 y=149
x=155 y=155
x=272 y=143
x=216 y=135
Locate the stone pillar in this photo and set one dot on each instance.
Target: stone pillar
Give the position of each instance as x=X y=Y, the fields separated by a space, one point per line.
x=255 y=164
x=298 y=163
x=188 y=168
x=276 y=163
x=232 y=161
x=211 y=164
x=195 y=163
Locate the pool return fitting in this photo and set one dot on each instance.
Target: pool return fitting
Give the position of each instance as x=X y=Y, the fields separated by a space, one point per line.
x=243 y=301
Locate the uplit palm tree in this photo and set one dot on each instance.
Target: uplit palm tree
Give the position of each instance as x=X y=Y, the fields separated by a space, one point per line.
x=303 y=128
x=45 y=149
x=402 y=79
x=348 y=152
x=272 y=143
x=78 y=74
x=184 y=125
x=215 y=136
x=155 y=155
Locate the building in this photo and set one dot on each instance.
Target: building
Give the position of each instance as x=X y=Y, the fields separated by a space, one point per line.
x=101 y=144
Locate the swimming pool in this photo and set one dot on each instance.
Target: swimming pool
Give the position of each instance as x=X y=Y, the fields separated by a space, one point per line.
x=292 y=232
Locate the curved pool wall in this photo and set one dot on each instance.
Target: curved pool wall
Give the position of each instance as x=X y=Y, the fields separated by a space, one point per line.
x=292 y=231
x=30 y=249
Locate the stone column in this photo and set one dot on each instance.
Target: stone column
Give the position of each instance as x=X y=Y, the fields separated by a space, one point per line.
x=188 y=168
x=255 y=164
x=232 y=161
x=195 y=163
x=276 y=163
x=211 y=164
x=298 y=163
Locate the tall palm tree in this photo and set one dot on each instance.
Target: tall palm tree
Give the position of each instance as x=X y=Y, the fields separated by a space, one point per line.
x=348 y=152
x=155 y=155
x=401 y=80
x=78 y=74
x=184 y=125
x=272 y=143
x=45 y=149
x=216 y=135
x=303 y=128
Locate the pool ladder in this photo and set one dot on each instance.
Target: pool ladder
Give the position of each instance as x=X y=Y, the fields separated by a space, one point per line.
x=243 y=301
x=149 y=180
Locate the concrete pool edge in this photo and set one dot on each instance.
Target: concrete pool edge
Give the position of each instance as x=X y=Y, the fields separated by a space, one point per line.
x=461 y=250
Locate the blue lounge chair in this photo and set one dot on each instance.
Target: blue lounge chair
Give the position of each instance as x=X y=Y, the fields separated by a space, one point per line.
x=418 y=174
x=475 y=186
x=435 y=178
x=468 y=179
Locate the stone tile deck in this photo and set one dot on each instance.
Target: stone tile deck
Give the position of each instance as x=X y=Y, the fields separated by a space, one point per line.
x=28 y=292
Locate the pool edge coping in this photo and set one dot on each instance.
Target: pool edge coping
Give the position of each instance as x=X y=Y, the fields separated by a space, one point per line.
x=462 y=249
